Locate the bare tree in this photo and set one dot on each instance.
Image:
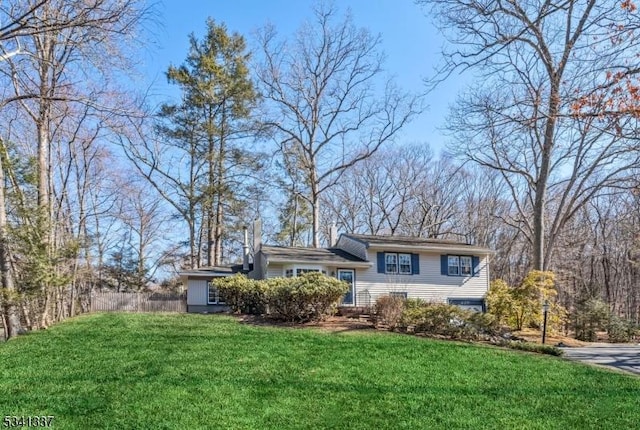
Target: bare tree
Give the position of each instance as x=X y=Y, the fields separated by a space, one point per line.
x=535 y=61
x=320 y=86
x=57 y=74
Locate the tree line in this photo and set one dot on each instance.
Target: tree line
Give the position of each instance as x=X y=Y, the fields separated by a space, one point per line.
x=101 y=188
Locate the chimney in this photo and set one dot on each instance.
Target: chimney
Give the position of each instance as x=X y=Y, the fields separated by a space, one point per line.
x=333 y=235
x=245 y=250
x=257 y=236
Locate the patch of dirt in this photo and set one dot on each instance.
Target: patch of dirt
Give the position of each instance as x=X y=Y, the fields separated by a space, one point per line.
x=535 y=336
x=331 y=324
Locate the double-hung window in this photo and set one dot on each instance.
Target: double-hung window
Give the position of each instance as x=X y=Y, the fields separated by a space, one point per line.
x=460 y=265
x=391 y=263
x=454 y=265
x=465 y=265
x=404 y=264
x=398 y=263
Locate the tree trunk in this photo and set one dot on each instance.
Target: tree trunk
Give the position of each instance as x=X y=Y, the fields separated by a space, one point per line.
x=219 y=190
x=13 y=326
x=539 y=262
x=315 y=206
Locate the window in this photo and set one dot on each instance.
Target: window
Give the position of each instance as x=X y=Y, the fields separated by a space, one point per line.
x=404 y=264
x=391 y=265
x=465 y=265
x=454 y=265
x=459 y=265
x=399 y=264
x=214 y=296
x=399 y=294
x=298 y=271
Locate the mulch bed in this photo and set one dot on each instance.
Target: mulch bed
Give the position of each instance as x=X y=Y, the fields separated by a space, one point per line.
x=331 y=324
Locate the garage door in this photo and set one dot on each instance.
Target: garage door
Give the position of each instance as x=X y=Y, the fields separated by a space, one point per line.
x=476 y=305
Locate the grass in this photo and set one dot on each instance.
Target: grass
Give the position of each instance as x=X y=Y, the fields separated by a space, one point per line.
x=185 y=371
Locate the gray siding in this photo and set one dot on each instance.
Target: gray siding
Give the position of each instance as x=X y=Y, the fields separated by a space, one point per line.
x=197 y=293
x=274 y=271
x=208 y=309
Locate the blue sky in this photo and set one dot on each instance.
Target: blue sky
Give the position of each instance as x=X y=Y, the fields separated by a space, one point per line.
x=409 y=39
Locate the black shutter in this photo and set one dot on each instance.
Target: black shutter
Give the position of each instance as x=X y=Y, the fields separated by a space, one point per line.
x=444 y=265
x=476 y=265
x=381 y=262
x=415 y=264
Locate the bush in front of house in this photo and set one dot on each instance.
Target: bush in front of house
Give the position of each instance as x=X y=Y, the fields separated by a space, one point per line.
x=436 y=319
x=388 y=311
x=242 y=295
x=441 y=319
x=309 y=297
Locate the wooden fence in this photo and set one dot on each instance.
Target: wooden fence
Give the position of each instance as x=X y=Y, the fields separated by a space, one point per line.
x=138 y=302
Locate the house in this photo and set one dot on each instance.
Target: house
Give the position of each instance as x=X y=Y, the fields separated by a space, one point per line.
x=430 y=269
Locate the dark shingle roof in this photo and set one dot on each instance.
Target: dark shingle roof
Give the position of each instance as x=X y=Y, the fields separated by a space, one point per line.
x=287 y=254
x=409 y=241
x=226 y=270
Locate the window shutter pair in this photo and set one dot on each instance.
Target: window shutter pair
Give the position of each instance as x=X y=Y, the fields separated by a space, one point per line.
x=415 y=263
x=444 y=265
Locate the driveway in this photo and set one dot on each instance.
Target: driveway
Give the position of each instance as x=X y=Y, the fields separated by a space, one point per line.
x=617 y=356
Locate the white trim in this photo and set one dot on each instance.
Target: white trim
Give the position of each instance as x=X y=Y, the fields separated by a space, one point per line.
x=348 y=264
x=462 y=249
x=386 y=263
x=400 y=272
x=217 y=302
x=308 y=267
x=353 y=285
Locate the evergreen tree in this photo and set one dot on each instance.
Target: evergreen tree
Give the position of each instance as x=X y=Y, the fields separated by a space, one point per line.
x=218 y=94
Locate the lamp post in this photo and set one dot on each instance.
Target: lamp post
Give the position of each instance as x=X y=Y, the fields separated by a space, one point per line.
x=545 y=310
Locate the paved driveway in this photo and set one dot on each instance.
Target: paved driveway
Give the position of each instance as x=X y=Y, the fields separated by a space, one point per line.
x=618 y=356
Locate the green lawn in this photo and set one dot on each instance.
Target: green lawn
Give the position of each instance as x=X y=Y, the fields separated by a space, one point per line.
x=125 y=371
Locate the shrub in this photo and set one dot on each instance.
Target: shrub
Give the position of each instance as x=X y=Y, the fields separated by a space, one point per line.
x=533 y=347
x=437 y=319
x=450 y=321
x=620 y=330
x=414 y=303
x=309 y=297
x=388 y=310
x=521 y=306
x=480 y=325
x=500 y=302
x=243 y=295
x=590 y=316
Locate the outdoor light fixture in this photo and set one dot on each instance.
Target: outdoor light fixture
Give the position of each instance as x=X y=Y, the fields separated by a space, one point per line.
x=545 y=310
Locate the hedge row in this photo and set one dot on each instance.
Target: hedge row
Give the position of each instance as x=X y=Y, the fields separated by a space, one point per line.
x=453 y=322
x=434 y=319
x=309 y=297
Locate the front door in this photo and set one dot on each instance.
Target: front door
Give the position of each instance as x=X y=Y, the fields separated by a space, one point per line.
x=348 y=276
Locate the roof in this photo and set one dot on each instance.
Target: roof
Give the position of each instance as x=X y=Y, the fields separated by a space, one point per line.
x=402 y=242
x=335 y=256
x=213 y=271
